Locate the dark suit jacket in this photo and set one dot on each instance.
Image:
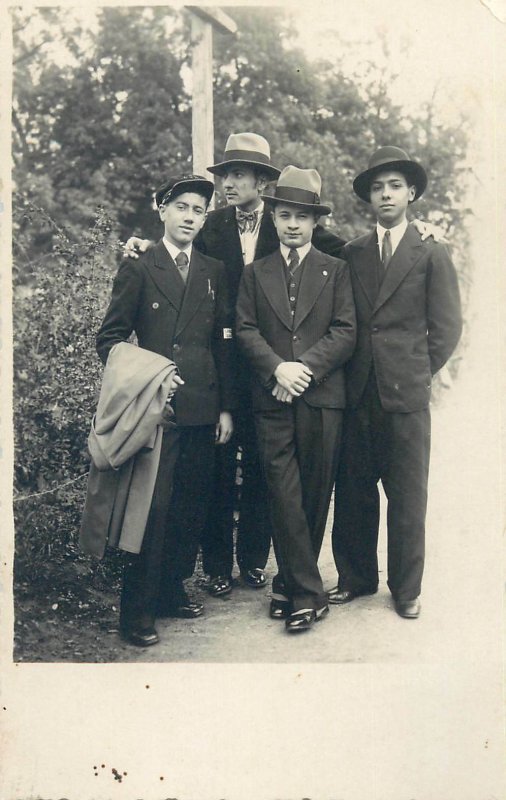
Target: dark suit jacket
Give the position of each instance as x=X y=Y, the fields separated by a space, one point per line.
x=149 y=297
x=411 y=327
x=219 y=238
x=321 y=334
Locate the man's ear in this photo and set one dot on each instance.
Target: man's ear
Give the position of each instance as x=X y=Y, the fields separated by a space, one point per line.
x=262 y=182
x=412 y=192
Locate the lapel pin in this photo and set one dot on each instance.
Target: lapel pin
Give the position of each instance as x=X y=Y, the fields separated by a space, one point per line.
x=325 y=272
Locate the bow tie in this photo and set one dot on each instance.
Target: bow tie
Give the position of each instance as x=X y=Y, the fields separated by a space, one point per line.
x=246 y=220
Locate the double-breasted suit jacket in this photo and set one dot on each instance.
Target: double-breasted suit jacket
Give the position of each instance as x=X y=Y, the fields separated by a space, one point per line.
x=321 y=333
x=409 y=326
x=190 y=325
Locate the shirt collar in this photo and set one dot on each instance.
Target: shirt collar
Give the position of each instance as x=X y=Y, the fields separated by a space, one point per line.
x=302 y=251
x=259 y=209
x=396 y=233
x=174 y=250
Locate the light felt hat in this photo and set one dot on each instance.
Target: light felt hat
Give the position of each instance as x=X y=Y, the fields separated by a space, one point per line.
x=246 y=148
x=299 y=187
x=390 y=158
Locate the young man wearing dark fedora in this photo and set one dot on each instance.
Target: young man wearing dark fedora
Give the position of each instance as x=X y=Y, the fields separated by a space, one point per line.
x=296 y=327
x=408 y=324
x=237 y=234
x=174 y=298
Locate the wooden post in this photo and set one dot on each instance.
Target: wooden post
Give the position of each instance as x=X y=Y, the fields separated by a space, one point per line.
x=202 y=22
x=202 y=96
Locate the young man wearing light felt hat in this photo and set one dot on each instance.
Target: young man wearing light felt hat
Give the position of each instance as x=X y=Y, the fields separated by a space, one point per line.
x=408 y=324
x=296 y=328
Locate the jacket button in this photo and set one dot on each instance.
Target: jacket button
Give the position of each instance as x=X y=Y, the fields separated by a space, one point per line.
x=156 y=305
x=176 y=347
x=294 y=338
x=375 y=329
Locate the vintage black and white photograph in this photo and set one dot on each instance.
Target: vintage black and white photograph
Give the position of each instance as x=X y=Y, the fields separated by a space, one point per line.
x=253 y=328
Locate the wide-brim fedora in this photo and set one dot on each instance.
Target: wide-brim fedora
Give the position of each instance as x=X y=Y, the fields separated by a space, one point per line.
x=390 y=157
x=246 y=148
x=176 y=185
x=299 y=187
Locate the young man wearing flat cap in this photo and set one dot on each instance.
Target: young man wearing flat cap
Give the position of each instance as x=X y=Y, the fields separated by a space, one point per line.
x=238 y=234
x=174 y=298
x=296 y=328
x=408 y=324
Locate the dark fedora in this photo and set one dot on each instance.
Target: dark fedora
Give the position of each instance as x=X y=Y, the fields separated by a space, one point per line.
x=390 y=158
x=299 y=187
x=246 y=148
x=178 y=184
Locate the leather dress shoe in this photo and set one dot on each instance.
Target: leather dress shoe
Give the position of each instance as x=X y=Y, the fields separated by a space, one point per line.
x=186 y=609
x=339 y=597
x=254 y=578
x=140 y=637
x=280 y=608
x=304 y=619
x=409 y=609
x=219 y=585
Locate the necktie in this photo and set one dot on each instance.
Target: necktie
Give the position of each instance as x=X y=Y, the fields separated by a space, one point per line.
x=182 y=265
x=293 y=260
x=246 y=220
x=386 y=249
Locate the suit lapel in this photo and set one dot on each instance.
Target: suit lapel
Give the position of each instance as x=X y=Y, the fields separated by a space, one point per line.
x=231 y=238
x=271 y=276
x=166 y=276
x=314 y=278
x=198 y=287
x=267 y=241
x=364 y=265
x=408 y=251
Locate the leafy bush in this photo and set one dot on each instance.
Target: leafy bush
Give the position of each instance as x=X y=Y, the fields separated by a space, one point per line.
x=59 y=299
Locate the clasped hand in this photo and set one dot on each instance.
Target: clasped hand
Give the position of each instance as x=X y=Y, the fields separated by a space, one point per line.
x=292 y=379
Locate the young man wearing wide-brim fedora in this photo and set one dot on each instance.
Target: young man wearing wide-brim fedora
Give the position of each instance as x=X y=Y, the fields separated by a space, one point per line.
x=408 y=324
x=296 y=328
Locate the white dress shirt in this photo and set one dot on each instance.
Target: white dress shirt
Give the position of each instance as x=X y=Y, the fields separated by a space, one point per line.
x=249 y=239
x=302 y=251
x=396 y=234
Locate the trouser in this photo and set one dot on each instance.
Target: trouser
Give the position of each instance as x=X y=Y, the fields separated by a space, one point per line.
x=181 y=496
x=299 y=446
x=394 y=448
x=250 y=499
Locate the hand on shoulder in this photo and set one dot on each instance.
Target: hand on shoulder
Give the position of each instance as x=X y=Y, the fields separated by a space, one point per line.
x=134 y=246
x=427 y=230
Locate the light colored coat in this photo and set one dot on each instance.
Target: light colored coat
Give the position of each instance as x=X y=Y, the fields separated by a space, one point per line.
x=124 y=444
